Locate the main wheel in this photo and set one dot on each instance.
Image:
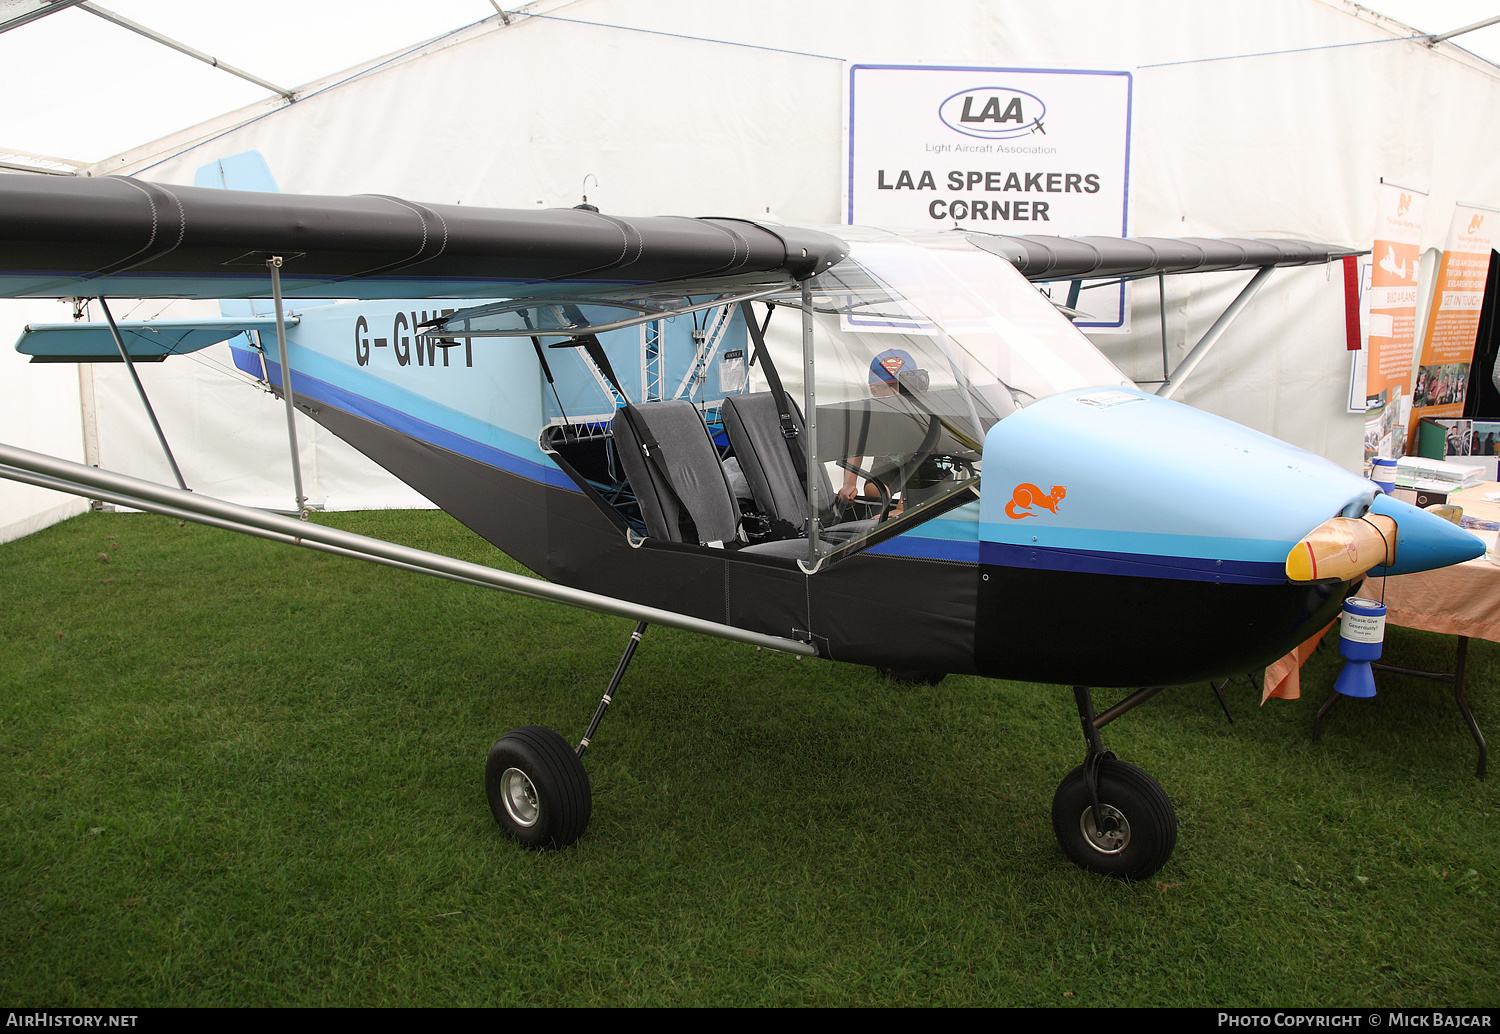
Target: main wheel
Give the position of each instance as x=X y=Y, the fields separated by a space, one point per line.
x=538 y=789
x=1140 y=824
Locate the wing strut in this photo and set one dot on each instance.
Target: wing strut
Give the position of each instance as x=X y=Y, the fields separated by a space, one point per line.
x=141 y=390
x=66 y=476
x=274 y=265
x=1207 y=341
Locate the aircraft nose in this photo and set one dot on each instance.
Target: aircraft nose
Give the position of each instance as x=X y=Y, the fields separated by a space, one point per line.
x=1393 y=538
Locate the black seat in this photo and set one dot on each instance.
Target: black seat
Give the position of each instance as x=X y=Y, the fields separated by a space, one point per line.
x=674 y=471
x=754 y=431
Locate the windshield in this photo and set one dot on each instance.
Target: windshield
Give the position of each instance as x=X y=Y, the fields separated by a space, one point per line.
x=919 y=345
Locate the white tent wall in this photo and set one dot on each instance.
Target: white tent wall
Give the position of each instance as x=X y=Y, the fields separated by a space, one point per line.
x=688 y=108
x=229 y=437
x=41 y=412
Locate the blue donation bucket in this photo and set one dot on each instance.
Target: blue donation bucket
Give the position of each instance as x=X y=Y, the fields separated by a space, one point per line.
x=1361 y=633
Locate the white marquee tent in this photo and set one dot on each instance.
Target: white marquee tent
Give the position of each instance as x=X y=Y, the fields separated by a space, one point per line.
x=1272 y=118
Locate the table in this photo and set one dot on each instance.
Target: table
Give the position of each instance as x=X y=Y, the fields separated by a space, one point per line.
x=1462 y=600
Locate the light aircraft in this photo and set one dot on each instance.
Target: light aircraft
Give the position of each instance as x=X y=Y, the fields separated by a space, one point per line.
x=771 y=434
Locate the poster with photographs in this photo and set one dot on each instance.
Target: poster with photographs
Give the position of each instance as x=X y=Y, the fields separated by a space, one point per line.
x=1471 y=440
x=1385 y=432
x=1440 y=385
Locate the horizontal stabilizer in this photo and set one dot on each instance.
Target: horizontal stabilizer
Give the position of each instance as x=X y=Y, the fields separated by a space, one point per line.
x=146 y=341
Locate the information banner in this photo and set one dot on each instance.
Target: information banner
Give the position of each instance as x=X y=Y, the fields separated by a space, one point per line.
x=1010 y=151
x=1453 y=320
x=1392 y=298
x=1391 y=318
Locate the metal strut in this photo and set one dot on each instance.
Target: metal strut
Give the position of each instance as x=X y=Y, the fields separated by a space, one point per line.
x=810 y=430
x=274 y=265
x=614 y=684
x=141 y=391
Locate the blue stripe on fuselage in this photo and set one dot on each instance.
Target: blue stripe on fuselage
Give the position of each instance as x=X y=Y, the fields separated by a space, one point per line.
x=1134 y=565
x=952 y=536
x=307 y=386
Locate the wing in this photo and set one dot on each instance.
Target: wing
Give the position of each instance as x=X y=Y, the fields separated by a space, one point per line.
x=117 y=236
x=1090 y=258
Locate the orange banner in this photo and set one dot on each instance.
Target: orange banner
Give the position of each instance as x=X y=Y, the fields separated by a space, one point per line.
x=1453 y=320
x=1392 y=309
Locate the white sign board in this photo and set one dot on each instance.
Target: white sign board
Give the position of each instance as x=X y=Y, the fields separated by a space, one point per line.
x=1010 y=151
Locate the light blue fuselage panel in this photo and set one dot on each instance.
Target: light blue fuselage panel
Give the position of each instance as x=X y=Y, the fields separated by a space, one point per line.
x=1119 y=481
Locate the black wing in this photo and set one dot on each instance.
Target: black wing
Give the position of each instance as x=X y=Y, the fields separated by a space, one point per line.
x=132 y=238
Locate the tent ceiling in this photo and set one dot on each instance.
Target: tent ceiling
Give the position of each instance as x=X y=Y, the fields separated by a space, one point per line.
x=94 y=89
x=107 y=90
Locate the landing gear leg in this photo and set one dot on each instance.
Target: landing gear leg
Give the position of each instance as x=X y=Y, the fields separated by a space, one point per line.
x=1112 y=818
x=614 y=684
x=538 y=789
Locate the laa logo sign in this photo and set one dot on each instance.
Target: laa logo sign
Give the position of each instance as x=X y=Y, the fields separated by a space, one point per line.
x=993 y=113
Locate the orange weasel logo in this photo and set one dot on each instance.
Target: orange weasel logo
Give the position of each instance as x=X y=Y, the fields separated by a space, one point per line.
x=1027 y=496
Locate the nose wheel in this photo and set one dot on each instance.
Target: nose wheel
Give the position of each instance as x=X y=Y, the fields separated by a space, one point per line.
x=1136 y=829
x=1112 y=818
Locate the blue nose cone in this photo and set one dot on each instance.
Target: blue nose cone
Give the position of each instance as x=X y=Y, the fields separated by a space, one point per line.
x=1423 y=541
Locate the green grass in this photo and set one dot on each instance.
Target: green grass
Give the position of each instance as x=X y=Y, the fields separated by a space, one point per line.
x=236 y=773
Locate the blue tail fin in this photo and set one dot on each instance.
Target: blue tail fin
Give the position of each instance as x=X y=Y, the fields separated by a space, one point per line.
x=244 y=171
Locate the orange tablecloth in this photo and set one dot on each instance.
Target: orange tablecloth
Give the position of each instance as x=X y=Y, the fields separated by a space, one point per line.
x=1460 y=600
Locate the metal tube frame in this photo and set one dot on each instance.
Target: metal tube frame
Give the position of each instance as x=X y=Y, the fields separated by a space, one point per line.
x=1084 y=698
x=1454 y=677
x=182 y=48
x=1131 y=702
x=448 y=328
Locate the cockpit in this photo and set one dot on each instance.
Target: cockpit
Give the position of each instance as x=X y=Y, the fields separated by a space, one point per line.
x=803 y=421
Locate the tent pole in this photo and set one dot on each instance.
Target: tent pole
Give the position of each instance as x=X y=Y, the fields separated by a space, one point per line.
x=141 y=390
x=274 y=265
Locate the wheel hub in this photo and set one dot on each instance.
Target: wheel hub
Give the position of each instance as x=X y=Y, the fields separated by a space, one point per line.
x=519 y=797
x=1114 y=838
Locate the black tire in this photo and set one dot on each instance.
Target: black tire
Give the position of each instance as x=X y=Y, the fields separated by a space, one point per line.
x=1149 y=823
x=913 y=676
x=538 y=789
